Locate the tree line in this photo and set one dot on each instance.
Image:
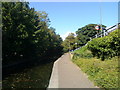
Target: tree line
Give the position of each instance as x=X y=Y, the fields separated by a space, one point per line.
x=103 y=47
x=27 y=34
x=83 y=35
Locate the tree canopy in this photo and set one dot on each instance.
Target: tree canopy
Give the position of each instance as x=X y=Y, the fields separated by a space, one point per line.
x=26 y=33
x=83 y=35
x=86 y=33
x=70 y=42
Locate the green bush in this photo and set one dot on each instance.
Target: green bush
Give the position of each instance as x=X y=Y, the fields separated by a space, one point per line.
x=105 y=47
x=103 y=73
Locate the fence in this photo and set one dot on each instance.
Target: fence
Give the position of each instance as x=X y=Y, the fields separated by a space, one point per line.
x=105 y=32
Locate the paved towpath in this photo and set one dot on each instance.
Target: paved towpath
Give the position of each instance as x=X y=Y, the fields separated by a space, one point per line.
x=66 y=74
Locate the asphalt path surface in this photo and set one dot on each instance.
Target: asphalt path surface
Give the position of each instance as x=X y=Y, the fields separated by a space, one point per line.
x=66 y=74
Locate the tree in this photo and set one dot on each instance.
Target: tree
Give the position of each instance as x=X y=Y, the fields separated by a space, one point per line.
x=70 y=42
x=86 y=33
x=26 y=33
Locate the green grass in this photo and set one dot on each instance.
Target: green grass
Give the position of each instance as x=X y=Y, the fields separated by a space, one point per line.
x=82 y=53
x=81 y=50
x=36 y=77
x=103 y=73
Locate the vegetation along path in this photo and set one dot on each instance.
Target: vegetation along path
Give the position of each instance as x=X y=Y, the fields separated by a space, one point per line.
x=66 y=74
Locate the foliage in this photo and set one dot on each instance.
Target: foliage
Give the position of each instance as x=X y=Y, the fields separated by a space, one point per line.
x=69 y=43
x=103 y=73
x=86 y=33
x=83 y=52
x=26 y=33
x=105 y=47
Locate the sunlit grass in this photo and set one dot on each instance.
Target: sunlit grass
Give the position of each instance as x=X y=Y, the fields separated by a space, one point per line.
x=83 y=52
x=103 y=73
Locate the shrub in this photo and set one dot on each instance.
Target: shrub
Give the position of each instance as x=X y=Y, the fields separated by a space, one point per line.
x=105 y=47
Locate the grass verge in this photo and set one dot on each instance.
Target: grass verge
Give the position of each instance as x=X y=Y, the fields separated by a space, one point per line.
x=103 y=73
x=83 y=52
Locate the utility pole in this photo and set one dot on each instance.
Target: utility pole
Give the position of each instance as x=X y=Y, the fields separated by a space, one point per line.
x=101 y=18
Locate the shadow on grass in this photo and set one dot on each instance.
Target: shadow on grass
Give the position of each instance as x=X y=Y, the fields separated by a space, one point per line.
x=35 y=74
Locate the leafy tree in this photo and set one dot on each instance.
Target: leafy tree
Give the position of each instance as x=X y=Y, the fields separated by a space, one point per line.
x=26 y=33
x=86 y=33
x=70 y=42
x=55 y=42
x=19 y=24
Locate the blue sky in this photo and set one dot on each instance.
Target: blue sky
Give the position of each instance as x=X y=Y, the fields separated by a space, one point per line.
x=67 y=17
